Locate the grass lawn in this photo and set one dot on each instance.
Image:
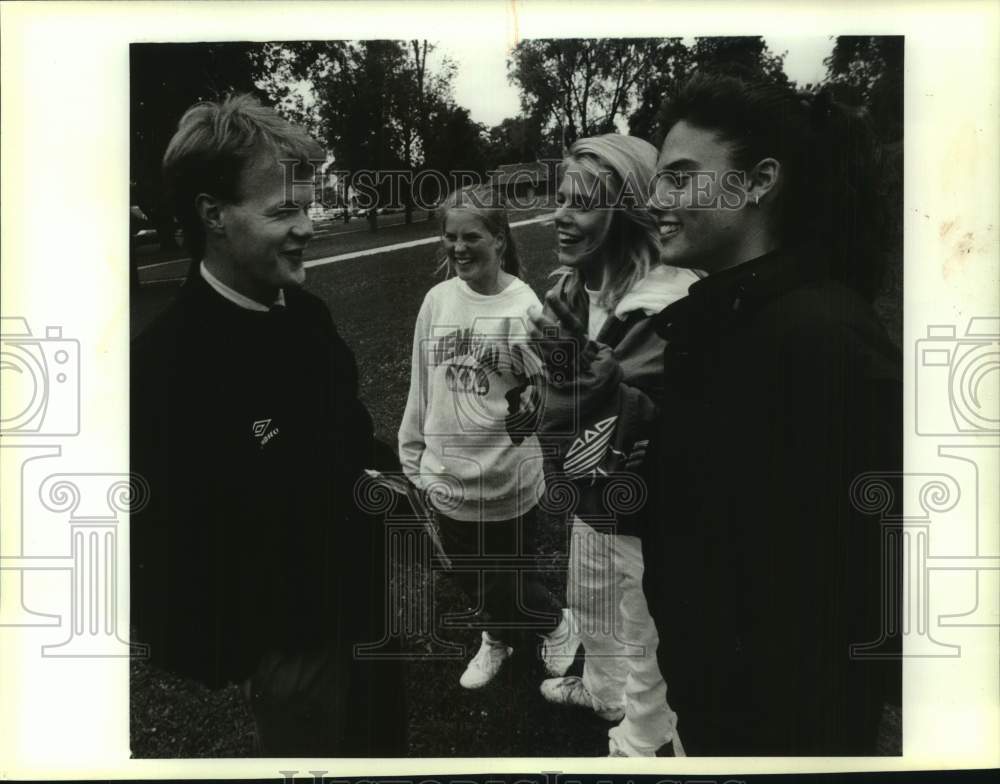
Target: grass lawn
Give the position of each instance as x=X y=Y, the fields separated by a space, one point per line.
x=374 y=301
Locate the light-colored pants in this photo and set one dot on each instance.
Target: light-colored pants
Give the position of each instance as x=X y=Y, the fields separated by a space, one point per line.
x=609 y=613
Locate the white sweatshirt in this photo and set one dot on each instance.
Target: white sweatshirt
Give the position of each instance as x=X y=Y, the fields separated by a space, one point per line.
x=469 y=350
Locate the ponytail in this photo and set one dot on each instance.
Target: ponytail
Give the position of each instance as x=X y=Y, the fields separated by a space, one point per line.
x=849 y=195
x=510 y=262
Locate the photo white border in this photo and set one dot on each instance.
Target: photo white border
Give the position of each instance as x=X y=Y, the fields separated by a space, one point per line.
x=64 y=251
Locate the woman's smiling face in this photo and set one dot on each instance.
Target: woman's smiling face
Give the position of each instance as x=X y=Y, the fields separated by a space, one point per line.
x=699 y=203
x=582 y=214
x=473 y=252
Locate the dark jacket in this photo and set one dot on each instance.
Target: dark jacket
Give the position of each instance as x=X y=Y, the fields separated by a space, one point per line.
x=600 y=419
x=249 y=431
x=760 y=572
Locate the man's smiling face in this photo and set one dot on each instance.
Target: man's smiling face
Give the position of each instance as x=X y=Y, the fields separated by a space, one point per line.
x=267 y=229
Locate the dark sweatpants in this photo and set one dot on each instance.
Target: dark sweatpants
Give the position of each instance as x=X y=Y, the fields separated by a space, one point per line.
x=491 y=566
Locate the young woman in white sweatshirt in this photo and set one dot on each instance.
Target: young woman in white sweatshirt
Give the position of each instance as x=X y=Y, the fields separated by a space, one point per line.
x=470 y=361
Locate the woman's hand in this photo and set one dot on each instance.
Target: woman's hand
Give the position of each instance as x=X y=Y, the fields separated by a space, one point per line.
x=559 y=337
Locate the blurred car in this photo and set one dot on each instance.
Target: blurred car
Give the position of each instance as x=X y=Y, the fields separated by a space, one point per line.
x=141 y=229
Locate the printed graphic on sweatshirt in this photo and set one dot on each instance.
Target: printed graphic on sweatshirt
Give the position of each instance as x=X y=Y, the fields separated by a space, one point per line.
x=478 y=369
x=470 y=379
x=584 y=456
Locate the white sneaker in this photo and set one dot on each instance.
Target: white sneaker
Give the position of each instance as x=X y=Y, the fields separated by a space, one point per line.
x=485 y=664
x=620 y=747
x=571 y=691
x=560 y=645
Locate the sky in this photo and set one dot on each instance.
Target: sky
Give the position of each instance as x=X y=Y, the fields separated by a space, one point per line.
x=481 y=84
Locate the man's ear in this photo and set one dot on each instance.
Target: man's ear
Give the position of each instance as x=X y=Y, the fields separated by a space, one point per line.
x=763 y=179
x=209 y=210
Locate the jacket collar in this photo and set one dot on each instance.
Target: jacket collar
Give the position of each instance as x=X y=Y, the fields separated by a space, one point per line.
x=759 y=278
x=662 y=286
x=718 y=300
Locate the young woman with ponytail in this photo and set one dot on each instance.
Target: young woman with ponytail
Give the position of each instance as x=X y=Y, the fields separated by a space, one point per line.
x=470 y=359
x=782 y=403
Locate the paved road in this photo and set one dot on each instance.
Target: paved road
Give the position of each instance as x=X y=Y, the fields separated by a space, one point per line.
x=547 y=217
x=331 y=236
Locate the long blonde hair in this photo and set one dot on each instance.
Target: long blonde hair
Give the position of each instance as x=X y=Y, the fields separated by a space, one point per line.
x=631 y=237
x=485 y=202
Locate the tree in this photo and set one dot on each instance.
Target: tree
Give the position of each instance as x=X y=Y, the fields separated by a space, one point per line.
x=671 y=66
x=351 y=87
x=517 y=139
x=745 y=56
x=454 y=140
x=372 y=102
x=580 y=86
x=167 y=79
x=868 y=70
x=288 y=73
x=425 y=100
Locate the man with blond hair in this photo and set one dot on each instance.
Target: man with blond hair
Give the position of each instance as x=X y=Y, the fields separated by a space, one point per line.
x=252 y=564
